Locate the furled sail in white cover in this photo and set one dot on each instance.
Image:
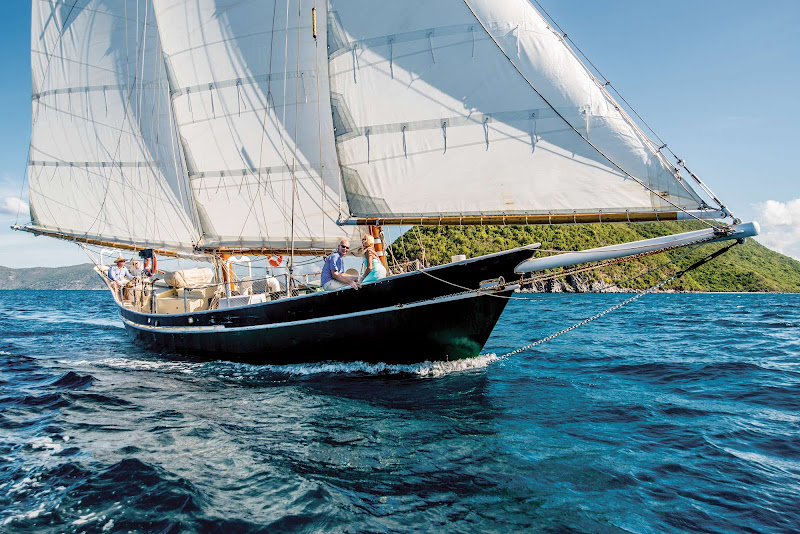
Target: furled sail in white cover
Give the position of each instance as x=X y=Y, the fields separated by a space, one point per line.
x=252 y=109
x=477 y=107
x=104 y=159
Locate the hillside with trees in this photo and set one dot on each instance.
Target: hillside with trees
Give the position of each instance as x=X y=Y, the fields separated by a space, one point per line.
x=749 y=267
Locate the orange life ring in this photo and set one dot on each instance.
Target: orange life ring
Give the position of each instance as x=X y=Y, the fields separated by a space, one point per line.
x=275 y=261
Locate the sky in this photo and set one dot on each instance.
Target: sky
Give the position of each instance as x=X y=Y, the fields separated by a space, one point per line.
x=715 y=79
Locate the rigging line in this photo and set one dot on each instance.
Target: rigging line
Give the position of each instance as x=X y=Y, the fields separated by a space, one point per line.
x=144 y=49
x=296 y=129
x=319 y=129
x=184 y=186
x=150 y=176
x=596 y=148
x=25 y=177
x=283 y=116
x=625 y=302
x=598 y=265
x=126 y=116
x=259 y=196
x=607 y=83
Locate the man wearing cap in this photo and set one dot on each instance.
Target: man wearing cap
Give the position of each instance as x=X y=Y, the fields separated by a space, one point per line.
x=118 y=273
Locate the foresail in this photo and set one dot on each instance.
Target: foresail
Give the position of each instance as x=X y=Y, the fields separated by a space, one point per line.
x=253 y=111
x=104 y=159
x=477 y=107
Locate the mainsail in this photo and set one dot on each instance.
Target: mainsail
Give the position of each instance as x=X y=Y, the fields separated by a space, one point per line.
x=104 y=158
x=222 y=125
x=477 y=107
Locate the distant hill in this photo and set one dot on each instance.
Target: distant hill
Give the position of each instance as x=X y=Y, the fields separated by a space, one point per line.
x=749 y=267
x=72 y=277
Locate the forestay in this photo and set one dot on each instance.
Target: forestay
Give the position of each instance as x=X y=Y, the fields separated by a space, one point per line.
x=253 y=109
x=477 y=107
x=104 y=159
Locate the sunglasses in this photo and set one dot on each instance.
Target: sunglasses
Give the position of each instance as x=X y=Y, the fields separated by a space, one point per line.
x=344 y=247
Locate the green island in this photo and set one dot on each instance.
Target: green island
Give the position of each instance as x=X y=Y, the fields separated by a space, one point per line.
x=749 y=267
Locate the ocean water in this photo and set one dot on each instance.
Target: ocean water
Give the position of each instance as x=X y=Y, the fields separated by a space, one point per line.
x=677 y=413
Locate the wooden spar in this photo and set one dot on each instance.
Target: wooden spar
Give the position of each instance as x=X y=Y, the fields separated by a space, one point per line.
x=376 y=233
x=263 y=251
x=517 y=220
x=708 y=235
x=98 y=242
x=247 y=251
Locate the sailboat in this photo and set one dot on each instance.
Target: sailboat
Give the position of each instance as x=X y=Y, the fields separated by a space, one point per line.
x=218 y=129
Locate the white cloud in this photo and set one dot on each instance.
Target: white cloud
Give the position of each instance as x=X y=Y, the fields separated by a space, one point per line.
x=13 y=205
x=780 y=226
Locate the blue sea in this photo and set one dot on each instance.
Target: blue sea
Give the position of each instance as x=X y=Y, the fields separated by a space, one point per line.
x=676 y=413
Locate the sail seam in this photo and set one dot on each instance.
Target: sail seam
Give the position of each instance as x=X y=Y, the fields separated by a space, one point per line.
x=406 y=37
x=475 y=119
x=240 y=81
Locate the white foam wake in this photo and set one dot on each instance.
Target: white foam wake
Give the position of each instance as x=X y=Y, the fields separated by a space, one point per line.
x=244 y=370
x=423 y=369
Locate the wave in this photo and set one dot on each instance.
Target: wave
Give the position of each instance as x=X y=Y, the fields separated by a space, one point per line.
x=71 y=380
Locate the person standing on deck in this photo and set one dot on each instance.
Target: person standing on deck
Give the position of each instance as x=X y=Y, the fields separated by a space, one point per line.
x=333 y=276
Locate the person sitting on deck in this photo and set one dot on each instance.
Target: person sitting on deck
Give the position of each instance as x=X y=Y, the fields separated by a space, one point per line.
x=373 y=267
x=333 y=276
x=118 y=273
x=136 y=269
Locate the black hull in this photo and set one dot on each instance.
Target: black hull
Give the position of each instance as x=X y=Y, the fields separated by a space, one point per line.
x=407 y=318
x=448 y=328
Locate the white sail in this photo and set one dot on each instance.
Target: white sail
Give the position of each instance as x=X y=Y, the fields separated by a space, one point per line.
x=253 y=110
x=104 y=158
x=477 y=107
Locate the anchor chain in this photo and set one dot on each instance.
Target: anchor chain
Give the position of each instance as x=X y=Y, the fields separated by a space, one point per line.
x=623 y=303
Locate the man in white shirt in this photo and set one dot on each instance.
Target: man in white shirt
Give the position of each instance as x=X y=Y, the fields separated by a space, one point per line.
x=118 y=273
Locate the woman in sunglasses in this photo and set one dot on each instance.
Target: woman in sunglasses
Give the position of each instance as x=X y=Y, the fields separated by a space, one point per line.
x=373 y=268
x=333 y=276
